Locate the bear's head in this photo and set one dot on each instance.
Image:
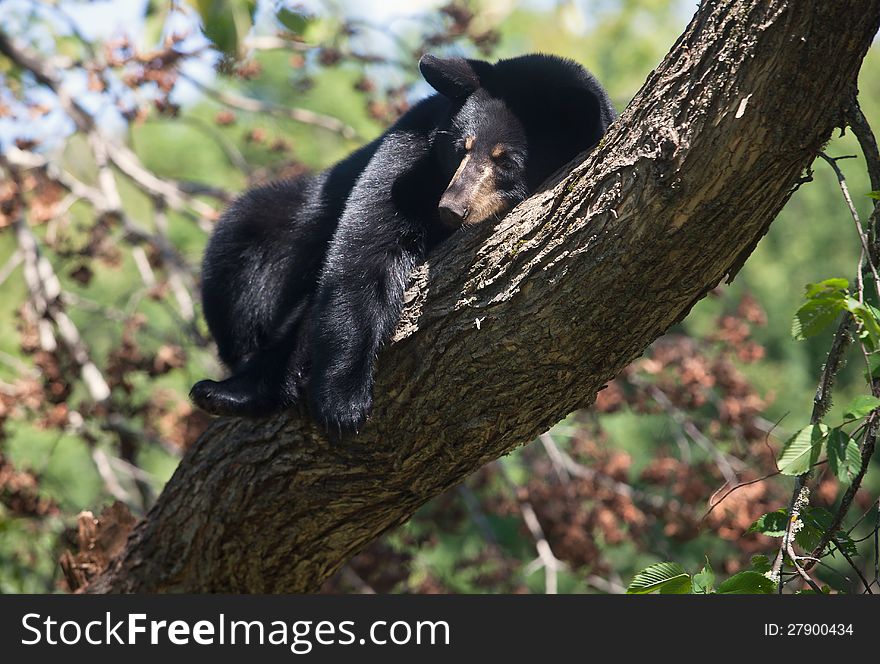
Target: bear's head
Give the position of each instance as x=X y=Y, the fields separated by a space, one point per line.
x=512 y=125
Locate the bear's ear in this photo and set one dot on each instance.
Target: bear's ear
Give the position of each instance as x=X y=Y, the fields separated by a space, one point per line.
x=451 y=77
x=578 y=111
x=575 y=104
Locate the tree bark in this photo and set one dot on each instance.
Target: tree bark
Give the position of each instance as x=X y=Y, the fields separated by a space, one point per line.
x=508 y=330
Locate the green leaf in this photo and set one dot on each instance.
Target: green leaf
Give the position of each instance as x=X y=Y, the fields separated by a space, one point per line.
x=772 y=524
x=818 y=517
x=846 y=543
x=874 y=194
x=801 y=451
x=809 y=536
x=704 y=582
x=873 y=336
x=815 y=315
x=658 y=577
x=861 y=406
x=226 y=22
x=747 y=583
x=844 y=456
x=817 y=522
x=679 y=586
x=293 y=21
x=760 y=564
x=868 y=316
x=827 y=287
x=873 y=370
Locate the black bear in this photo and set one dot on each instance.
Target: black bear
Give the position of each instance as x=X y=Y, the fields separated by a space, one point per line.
x=303 y=280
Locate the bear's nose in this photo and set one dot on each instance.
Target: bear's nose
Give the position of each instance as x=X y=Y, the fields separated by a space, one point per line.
x=453 y=213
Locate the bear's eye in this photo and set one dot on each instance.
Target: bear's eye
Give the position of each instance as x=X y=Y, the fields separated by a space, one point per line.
x=501 y=157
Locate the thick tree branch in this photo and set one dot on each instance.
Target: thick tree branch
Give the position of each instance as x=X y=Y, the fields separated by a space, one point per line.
x=507 y=331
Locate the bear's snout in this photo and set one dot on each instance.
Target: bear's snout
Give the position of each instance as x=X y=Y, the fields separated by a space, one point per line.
x=452 y=212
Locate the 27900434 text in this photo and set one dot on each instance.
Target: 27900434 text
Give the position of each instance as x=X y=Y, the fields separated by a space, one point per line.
x=808 y=629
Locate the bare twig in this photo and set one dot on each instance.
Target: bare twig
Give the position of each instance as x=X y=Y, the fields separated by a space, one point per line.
x=606 y=586
x=546 y=558
x=251 y=105
x=730 y=490
x=852 y=564
x=868 y=445
x=44 y=288
x=123 y=158
x=556 y=458
x=655 y=502
x=10 y=266
x=352 y=577
x=868 y=143
x=724 y=461
x=863 y=236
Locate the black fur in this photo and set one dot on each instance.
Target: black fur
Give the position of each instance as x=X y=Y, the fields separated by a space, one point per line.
x=303 y=280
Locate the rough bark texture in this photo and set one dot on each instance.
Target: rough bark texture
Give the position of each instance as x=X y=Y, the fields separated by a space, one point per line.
x=508 y=330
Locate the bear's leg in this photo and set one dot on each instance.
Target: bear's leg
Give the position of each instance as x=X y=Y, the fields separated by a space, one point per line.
x=348 y=328
x=380 y=238
x=266 y=383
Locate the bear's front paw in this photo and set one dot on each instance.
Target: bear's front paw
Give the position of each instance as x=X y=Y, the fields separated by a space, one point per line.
x=343 y=415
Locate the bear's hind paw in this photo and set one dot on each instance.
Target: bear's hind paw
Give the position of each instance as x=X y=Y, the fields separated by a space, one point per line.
x=228 y=397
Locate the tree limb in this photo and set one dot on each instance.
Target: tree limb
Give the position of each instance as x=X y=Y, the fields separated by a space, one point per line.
x=568 y=289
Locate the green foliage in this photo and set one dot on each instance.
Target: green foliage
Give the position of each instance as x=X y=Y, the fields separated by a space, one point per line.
x=772 y=524
x=861 y=407
x=704 y=580
x=844 y=456
x=801 y=451
x=747 y=583
x=671 y=578
x=804 y=243
x=295 y=22
x=226 y=22
x=666 y=578
x=825 y=301
x=760 y=564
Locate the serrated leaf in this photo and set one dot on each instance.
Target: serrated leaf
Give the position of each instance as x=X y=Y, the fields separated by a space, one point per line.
x=808 y=537
x=704 y=581
x=867 y=315
x=873 y=370
x=656 y=577
x=844 y=456
x=747 y=583
x=772 y=524
x=827 y=287
x=816 y=522
x=818 y=517
x=801 y=451
x=680 y=586
x=815 y=315
x=846 y=543
x=861 y=406
x=760 y=564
